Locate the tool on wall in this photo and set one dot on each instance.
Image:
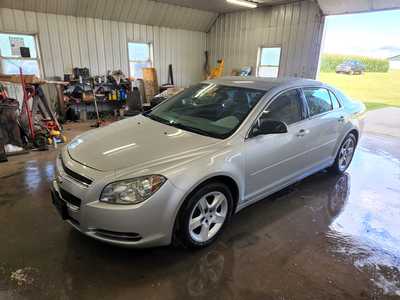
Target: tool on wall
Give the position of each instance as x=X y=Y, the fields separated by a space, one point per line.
x=218 y=70
x=170 y=83
x=206 y=68
x=170 y=75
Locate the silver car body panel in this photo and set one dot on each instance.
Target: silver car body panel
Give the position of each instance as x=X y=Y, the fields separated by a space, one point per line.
x=140 y=146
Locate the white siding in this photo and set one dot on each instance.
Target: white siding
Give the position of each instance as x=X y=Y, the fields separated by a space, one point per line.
x=101 y=45
x=296 y=27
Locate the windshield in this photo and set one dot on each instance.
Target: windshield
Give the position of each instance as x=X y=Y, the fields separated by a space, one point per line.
x=208 y=109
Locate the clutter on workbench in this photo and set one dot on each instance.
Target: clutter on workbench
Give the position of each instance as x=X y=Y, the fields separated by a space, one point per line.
x=97 y=97
x=168 y=93
x=245 y=71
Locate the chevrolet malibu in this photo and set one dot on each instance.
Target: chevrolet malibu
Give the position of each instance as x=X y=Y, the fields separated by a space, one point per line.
x=177 y=173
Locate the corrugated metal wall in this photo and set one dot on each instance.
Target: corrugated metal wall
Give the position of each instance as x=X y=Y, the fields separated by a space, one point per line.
x=296 y=27
x=101 y=45
x=147 y=12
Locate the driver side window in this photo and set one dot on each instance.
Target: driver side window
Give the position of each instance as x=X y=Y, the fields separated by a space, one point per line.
x=286 y=108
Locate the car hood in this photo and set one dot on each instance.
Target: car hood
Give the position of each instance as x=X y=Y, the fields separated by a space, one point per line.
x=137 y=141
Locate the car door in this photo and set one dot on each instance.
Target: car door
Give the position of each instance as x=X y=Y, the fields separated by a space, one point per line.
x=323 y=126
x=274 y=160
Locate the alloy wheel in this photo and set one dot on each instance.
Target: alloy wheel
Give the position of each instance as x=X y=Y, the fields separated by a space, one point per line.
x=346 y=153
x=208 y=216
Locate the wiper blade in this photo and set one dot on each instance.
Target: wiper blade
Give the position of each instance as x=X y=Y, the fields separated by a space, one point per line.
x=181 y=126
x=158 y=119
x=193 y=129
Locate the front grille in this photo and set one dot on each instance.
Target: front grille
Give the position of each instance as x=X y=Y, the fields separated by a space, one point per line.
x=75 y=175
x=122 y=236
x=71 y=199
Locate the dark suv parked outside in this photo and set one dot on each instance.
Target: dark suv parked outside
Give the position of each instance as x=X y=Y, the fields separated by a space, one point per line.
x=350 y=67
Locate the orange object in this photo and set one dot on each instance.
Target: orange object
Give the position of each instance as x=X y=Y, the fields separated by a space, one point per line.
x=218 y=70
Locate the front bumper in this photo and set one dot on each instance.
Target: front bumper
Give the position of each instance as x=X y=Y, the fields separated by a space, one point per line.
x=147 y=224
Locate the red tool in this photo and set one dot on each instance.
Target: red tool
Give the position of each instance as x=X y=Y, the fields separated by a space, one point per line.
x=27 y=95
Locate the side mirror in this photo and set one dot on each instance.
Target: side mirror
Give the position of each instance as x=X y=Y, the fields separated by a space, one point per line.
x=265 y=126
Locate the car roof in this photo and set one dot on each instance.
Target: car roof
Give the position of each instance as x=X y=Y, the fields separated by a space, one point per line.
x=266 y=84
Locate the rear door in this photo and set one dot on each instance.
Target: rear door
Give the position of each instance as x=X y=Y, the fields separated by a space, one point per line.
x=323 y=126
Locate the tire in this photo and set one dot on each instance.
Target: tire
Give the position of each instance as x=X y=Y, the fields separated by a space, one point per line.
x=340 y=165
x=207 y=221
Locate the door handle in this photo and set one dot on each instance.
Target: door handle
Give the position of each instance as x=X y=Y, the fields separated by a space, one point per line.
x=302 y=132
x=341 y=119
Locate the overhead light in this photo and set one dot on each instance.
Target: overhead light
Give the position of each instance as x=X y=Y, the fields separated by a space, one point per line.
x=243 y=3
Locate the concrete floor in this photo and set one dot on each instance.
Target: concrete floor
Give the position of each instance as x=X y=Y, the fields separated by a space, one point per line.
x=384 y=121
x=327 y=237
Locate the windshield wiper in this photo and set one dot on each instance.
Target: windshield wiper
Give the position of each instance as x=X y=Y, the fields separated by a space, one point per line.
x=193 y=129
x=158 y=119
x=180 y=126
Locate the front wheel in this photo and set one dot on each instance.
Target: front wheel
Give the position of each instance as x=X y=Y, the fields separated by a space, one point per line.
x=345 y=154
x=204 y=215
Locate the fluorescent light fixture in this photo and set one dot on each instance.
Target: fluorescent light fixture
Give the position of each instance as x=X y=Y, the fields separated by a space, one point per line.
x=243 y=3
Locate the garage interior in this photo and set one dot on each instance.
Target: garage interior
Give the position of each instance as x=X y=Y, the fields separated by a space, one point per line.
x=326 y=237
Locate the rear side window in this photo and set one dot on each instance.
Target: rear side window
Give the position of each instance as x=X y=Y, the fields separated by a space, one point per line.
x=285 y=108
x=318 y=100
x=335 y=101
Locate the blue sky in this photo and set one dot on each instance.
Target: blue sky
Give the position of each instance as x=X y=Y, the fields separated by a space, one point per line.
x=372 y=34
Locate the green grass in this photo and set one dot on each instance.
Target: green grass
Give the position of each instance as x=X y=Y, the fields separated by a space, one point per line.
x=376 y=90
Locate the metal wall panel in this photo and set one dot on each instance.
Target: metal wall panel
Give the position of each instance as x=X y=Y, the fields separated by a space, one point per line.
x=66 y=42
x=296 y=27
x=134 y=11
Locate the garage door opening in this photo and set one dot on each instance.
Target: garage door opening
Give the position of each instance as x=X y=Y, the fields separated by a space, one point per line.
x=361 y=56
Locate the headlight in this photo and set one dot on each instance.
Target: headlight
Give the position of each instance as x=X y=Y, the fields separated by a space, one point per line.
x=132 y=191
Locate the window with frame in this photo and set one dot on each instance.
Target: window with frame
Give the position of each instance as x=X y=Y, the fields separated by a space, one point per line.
x=268 y=62
x=335 y=101
x=140 y=56
x=11 y=58
x=318 y=100
x=287 y=108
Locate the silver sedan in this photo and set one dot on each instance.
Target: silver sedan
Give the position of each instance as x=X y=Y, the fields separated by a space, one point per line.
x=179 y=172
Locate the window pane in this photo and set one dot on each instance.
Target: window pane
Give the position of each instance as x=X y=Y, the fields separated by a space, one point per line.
x=29 y=67
x=10 y=44
x=318 y=100
x=268 y=72
x=270 y=56
x=135 y=68
x=286 y=108
x=139 y=51
x=335 y=101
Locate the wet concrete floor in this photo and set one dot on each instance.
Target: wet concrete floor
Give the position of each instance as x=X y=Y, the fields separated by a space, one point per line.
x=327 y=237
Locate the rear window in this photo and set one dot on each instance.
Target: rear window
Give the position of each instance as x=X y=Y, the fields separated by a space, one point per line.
x=335 y=101
x=318 y=100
